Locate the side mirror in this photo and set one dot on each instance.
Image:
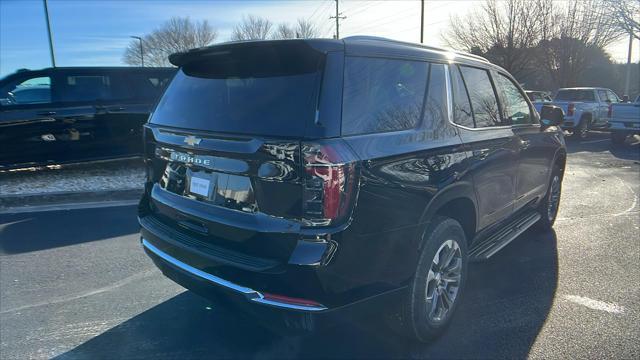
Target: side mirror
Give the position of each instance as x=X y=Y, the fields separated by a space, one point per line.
x=551 y=115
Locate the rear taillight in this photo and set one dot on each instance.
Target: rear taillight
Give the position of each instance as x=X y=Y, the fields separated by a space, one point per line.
x=570 y=109
x=329 y=183
x=610 y=111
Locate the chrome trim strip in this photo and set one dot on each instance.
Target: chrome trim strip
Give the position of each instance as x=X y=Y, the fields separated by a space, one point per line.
x=249 y=293
x=199 y=273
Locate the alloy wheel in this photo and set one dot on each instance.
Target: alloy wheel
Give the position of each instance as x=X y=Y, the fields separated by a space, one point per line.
x=443 y=281
x=554 y=198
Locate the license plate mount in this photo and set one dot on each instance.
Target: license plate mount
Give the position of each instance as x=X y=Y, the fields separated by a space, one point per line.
x=200 y=186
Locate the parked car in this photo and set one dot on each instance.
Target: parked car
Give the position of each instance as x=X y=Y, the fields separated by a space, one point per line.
x=585 y=108
x=61 y=115
x=305 y=181
x=625 y=120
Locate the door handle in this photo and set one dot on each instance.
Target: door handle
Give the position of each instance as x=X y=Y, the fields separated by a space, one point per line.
x=46 y=113
x=524 y=144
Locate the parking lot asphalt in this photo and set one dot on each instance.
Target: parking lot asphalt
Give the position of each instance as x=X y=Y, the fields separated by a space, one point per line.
x=75 y=284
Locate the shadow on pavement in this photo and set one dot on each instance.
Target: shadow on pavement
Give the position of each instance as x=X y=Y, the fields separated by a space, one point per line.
x=600 y=142
x=505 y=306
x=20 y=233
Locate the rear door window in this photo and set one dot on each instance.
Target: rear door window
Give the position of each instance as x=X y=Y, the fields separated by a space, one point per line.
x=483 y=98
x=85 y=88
x=514 y=105
x=382 y=95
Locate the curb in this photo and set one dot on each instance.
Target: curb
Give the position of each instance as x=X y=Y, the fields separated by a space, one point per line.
x=23 y=203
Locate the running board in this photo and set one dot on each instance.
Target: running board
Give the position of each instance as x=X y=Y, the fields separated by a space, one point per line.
x=494 y=243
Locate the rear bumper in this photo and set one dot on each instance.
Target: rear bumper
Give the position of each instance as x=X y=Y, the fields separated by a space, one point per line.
x=248 y=293
x=275 y=314
x=629 y=127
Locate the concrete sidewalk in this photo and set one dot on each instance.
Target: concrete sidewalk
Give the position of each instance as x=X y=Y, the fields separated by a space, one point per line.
x=114 y=180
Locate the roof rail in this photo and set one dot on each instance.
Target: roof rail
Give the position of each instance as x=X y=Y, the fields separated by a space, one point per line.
x=427 y=47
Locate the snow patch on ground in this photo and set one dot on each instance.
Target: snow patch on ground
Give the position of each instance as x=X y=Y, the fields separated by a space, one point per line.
x=97 y=176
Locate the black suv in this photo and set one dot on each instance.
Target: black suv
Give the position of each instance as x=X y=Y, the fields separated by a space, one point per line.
x=302 y=180
x=70 y=114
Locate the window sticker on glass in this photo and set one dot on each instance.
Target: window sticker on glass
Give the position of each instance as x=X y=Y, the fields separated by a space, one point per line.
x=199 y=186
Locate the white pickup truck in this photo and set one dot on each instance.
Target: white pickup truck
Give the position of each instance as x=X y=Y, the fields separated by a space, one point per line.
x=625 y=120
x=585 y=108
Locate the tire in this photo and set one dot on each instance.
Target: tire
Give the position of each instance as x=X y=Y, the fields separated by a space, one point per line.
x=582 y=130
x=618 y=138
x=422 y=319
x=550 y=204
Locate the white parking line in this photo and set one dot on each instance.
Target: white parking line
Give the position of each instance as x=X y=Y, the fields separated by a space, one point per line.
x=595 y=304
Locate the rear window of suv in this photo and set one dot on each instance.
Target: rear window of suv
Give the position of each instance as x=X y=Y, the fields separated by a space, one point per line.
x=261 y=92
x=575 y=95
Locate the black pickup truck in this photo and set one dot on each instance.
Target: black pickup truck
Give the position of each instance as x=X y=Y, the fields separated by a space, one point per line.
x=306 y=181
x=70 y=114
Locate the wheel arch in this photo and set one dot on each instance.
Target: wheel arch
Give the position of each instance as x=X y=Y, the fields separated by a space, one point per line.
x=458 y=202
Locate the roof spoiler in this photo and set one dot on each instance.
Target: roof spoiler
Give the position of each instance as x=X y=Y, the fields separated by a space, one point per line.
x=322 y=45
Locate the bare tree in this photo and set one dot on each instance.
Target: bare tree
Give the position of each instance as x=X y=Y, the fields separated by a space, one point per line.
x=524 y=36
x=252 y=28
x=626 y=15
x=177 y=34
x=284 y=31
x=577 y=38
x=501 y=30
x=303 y=29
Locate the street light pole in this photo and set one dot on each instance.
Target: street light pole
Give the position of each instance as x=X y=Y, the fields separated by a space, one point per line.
x=628 y=77
x=422 y=22
x=141 y=51
x=46 y=13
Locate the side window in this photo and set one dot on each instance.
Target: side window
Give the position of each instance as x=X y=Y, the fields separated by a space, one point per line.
x=36 y=90
x=382 y=94
x=435 y=110
x=602 y=94
x=613 y=97
x=514 y=106
x=80 y=87
x=462 y=114
x=483 y=98
x=151 y=86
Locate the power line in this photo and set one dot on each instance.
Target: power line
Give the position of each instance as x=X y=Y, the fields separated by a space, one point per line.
x=364 y=8
x=384 y=21
x=318 y=11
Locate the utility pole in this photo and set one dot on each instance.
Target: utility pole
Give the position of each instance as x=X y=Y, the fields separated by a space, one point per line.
x=46 y=13
x=421 y=21
x=626 y=81
x=141 y=51
x=337 y=17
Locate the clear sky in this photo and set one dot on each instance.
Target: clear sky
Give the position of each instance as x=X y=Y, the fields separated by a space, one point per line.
x=96 y=32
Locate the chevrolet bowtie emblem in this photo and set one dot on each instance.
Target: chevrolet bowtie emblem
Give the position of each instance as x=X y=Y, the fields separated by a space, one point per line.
x=192 y=140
